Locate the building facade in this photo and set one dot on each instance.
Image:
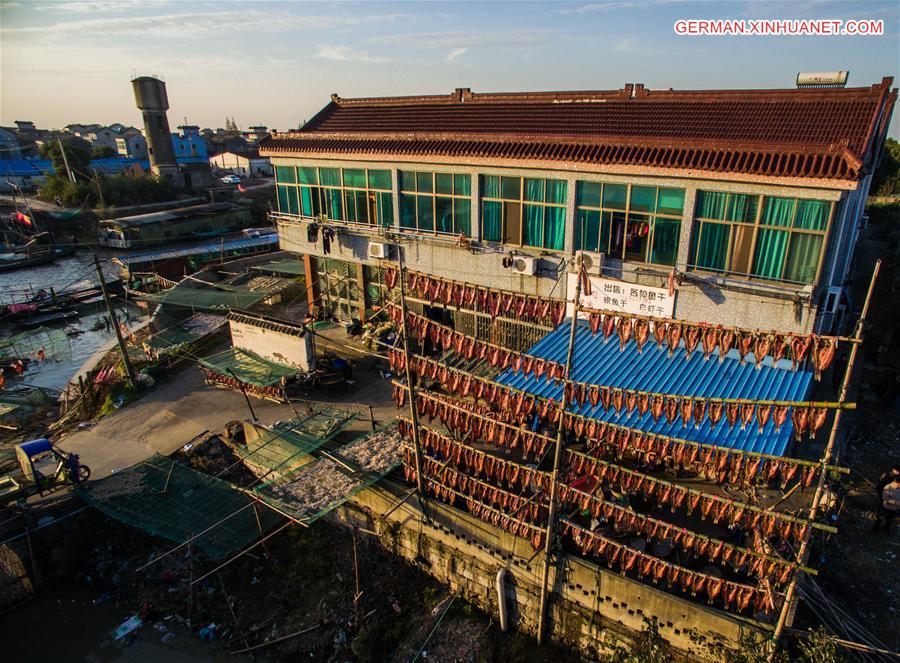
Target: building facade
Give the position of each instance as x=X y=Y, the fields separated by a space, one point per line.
x=753 y=197
x=243 y=164
x=132 y=145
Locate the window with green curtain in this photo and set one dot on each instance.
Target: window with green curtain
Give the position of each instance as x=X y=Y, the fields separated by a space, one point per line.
x=386 y=209
x=307 y=175
x=306 y=201
x=425 y=212
x=778 y=211
x=556 y=192
x=589 y=194
x=462 y=215
x=283 y=199
x=812 y=214
x=587 y=231
x=334 y=206
x=771 y=246
x=462 y=185
x=534 y=190
x=803 y=257
x=285 y=175
x=491 y=186
x=711 y=204
x=712 y=246
x=615 y=196
x=443 y=183
x=671 y=201
x=491 y=221
x=330 y=177
x=355 y=178
x=533 y=231
x=424 y=183
x=666 y=233
x=407 y=211
x=554 y=228
x=742 y=207
x=643 y=198
x=511 y=188
x=380 y=179
x=443 y=214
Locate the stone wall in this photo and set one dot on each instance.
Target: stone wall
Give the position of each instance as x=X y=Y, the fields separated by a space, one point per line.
x=591 y=608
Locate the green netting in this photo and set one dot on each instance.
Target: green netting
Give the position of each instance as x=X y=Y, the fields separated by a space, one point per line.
x=247 y=367
x=208 y=299
x=356 y=482
x=188 y=331
x=289 y=266
x=171 y=500
x=287 y=445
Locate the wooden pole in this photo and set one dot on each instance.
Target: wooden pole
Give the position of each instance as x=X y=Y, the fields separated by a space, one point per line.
x=789 y=598
x=557 y=458
x=243 y=391
x=417 y=448
x=129 y=369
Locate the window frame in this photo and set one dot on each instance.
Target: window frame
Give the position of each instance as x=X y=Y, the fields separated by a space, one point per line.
x=522 y=202
x=757 y=225
x=641 y=216
x=406 y=193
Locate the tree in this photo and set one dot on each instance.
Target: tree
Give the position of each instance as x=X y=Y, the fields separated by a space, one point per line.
x=886 y=181
x=78 y=153
x=231 y=126
x=103 y=152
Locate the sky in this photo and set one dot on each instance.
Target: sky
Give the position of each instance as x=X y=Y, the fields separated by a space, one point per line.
x=277 y=63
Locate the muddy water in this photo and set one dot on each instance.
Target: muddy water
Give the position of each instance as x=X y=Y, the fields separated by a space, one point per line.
x=66 y=347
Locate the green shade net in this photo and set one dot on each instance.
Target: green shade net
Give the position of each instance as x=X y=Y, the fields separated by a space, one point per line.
x=207 y=299
x=247 y=367
x=290 y=266
x=168 y=499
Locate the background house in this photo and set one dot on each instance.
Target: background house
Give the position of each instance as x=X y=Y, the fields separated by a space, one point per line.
x=243 y=164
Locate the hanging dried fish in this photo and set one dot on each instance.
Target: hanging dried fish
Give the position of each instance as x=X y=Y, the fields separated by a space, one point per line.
x=817 y=418
x=780 y=413
x=643 y=404
x=641 y=333
x=732 y=410
x=623 y=328
x=659 y=332
x=671 y=409
x=824 y=351
x=559 y=313
x=744 y=345
x=763 y=412
x=390 y=278
x=656 y=407
x=726 y=342
x=747 y=412
x=699 y=411
x=687 y=411
x=594 y=320
x=710 y=340
x=800 y=420
x=761 y=348
x=608 y=325
x=691 y=339
x=673 y=336
x=715 y=413
x=800 y=346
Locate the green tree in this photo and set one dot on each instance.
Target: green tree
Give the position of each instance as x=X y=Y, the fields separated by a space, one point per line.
x=886 y=181
x=78 y=153
x=103 y=152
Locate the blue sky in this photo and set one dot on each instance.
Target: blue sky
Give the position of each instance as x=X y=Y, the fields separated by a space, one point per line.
x=276 y=63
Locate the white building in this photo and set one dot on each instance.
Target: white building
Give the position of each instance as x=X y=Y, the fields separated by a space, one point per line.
x=243 y=164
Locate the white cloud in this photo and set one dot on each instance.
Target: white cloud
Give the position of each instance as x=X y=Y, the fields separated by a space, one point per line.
x=199 y=24
x=347 y=54
x=94 y=6
x=10 y=5
x=455 y=54
x=613 y=5
x=457 y=40
x=627 y=45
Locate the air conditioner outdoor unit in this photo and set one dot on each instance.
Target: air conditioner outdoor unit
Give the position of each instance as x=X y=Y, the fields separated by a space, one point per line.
x=379 y=250
x=593 y=262
x=525 y=265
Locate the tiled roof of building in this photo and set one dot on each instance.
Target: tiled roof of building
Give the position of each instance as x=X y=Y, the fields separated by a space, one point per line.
x=819 y=133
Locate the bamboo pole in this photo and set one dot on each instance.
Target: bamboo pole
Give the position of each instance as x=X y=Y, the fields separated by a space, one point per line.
x=787 y=606
x=557 y=458
x=409 y=381
x=651 y=394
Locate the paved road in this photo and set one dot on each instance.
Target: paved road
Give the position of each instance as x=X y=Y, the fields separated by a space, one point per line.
x=177 y=410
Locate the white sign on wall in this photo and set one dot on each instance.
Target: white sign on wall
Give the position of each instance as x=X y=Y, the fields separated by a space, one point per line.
x=287 y=349
x=622 y=297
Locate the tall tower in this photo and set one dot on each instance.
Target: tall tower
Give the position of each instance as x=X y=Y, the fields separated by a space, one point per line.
x=152 y=100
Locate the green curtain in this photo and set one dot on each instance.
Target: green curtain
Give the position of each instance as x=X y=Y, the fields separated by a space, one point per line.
x=306 y=207
x=532 y=234
x=462 y=214
x=671 y=201
x=556 y=192
x=330 y=176
x=443 y=212
x=615 y=196
x=283 y=199
x=711 y=251
x=491 y=186
x=711 y=204
x=335 y=209
x=589 y=194
x=407 y=211
x=491 y=221
x=803 y=258
x=555 y=228
x=665 y=241
x=307 y=175
x=812 y=214
x=462 y=185
x=643 y=198
x=587 y=231
x=285 y=174
x=742 y=207
x=425 y=212
x=778 y=211
x=534 y=190
x=386 y=210
x=355 y=177
x=380 y=179
x=768 y=259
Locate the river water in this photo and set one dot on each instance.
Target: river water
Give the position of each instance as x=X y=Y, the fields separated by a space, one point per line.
x=66 y=347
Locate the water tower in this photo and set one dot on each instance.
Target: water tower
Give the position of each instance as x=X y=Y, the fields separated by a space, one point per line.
x=153 y=102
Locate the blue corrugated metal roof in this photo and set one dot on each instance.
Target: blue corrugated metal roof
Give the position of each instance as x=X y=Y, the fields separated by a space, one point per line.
x=227 y=245
x=599 y=361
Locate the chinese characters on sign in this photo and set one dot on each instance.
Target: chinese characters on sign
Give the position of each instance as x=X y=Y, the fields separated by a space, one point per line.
x=623 y=297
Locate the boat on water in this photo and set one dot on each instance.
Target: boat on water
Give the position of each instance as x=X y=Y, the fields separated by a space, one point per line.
x=32 y=256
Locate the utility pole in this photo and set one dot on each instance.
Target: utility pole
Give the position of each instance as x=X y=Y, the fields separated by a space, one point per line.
x=66 y=161
x=99 y=189
x=557 y=458
x=244 y=391
x=803 y=552
x=129 y=369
